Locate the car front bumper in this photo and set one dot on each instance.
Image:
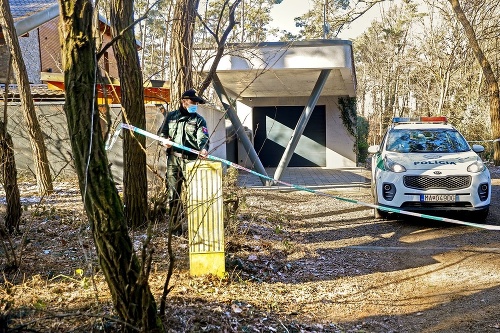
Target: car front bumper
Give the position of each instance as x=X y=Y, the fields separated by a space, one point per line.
x=391 y=192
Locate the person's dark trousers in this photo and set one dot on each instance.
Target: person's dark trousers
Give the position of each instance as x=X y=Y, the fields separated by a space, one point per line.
x=175 y=180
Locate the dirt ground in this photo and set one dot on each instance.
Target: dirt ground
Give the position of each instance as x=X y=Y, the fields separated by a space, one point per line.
x=296 y=262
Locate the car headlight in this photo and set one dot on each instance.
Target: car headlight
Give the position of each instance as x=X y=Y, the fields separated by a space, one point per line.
x=476 y=167
x=393 y=166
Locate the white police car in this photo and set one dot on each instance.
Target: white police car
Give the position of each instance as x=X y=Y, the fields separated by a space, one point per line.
x=425 y=165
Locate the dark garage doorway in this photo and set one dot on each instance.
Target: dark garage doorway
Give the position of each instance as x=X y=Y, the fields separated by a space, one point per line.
x=273 y=127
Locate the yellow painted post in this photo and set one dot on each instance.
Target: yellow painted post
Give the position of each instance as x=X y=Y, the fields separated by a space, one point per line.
x=205 y=218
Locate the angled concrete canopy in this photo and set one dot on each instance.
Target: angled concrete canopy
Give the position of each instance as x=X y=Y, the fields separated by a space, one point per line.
x=282 y=69
x=282 y=73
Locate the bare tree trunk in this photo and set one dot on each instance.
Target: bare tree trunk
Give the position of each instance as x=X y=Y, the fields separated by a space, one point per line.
x=164 y=49
x=8 y=169
x=445 y=84
x=135 y=182
x=489 y=75
x=9 y=180
x=42 y=167
x=127 y=280
x=181 y=77
x=143 y=32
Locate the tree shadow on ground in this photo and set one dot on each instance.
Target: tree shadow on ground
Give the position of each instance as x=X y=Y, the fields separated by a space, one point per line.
x=476 y=312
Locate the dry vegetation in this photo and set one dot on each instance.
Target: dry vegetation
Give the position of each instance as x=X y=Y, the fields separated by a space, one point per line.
x=295 y=263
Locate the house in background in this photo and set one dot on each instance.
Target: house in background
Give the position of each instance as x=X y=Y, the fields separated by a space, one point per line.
x=36 y=23
x=22 y=11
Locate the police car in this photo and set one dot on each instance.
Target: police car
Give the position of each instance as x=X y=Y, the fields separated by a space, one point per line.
x=425 y=165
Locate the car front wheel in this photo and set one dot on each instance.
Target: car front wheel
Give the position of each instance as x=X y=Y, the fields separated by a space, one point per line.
x=377 y=213
x=479 y=216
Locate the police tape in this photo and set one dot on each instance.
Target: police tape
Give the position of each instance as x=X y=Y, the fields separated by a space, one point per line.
x=110 y=142
x=495 y=140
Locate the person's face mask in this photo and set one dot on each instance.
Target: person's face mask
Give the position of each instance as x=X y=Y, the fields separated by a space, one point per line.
x=192 y=108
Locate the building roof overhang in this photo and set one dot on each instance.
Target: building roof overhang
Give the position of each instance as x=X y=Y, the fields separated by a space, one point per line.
x=287 y=69
x=35 y=17
x=155 y=91
x=30 y=14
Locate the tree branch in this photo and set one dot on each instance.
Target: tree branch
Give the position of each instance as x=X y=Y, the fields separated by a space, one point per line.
x=120 y=35
x=220 y=47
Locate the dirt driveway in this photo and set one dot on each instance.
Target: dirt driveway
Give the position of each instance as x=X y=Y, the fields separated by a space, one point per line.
x=324 y=261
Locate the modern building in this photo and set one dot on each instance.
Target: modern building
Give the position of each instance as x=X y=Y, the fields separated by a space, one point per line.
x=283 y=101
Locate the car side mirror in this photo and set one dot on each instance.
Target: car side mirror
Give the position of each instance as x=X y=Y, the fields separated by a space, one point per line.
x=476 y=148
x=373 y=149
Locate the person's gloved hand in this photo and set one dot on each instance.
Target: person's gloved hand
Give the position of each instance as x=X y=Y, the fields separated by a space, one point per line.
x=166 y=145
x=203 y=154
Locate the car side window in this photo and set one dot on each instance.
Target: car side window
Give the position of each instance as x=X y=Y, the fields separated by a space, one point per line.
x=384 y=139
x=458 y=142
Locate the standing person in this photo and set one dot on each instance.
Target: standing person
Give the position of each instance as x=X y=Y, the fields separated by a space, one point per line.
x=185 y=127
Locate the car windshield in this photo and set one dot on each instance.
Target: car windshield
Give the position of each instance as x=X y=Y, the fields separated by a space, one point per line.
x=426 y=141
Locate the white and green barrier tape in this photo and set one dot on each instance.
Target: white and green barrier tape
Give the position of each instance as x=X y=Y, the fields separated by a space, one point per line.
x=112 y=140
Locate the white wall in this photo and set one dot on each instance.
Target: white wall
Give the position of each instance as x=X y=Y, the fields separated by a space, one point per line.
x=340 y=149
x=54 y=126
x=216 y=128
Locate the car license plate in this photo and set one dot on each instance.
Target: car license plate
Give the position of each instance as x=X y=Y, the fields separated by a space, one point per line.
x=437 y=197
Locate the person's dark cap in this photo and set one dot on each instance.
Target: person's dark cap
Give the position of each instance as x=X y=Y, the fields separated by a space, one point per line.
x=191 y=94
